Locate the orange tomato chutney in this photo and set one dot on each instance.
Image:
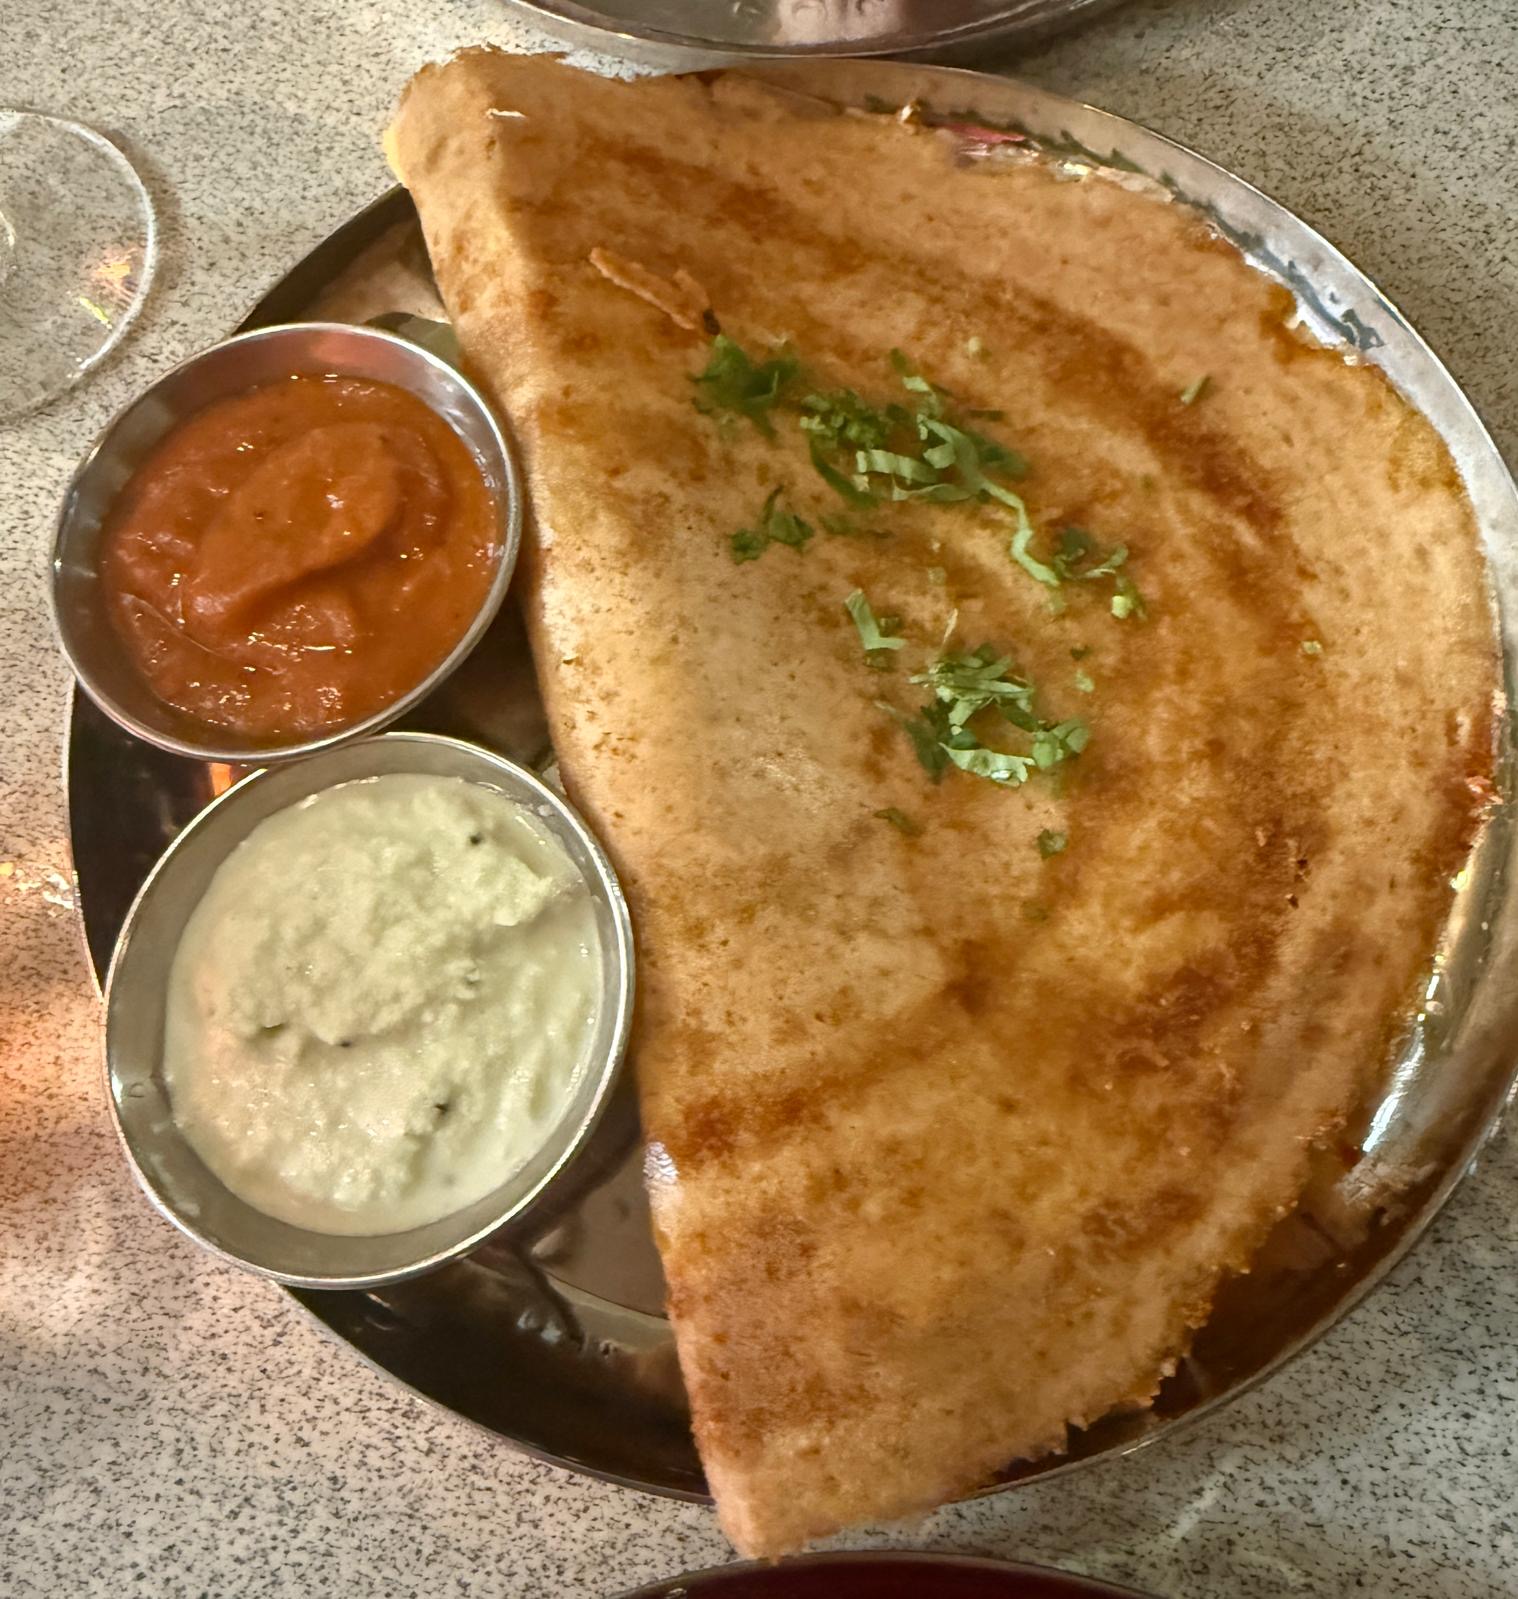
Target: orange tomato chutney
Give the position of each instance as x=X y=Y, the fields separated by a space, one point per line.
x=293 y=558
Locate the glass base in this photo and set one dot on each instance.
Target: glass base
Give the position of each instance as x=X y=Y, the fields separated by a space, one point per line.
x=78 y=243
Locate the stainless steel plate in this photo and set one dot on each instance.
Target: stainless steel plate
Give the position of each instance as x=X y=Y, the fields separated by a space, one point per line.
x=552 y=1335
x=664 y=33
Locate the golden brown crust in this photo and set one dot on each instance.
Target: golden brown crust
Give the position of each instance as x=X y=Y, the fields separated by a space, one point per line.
x=944 y=1178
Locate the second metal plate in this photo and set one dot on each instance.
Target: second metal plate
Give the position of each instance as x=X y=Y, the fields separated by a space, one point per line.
x=664 y=33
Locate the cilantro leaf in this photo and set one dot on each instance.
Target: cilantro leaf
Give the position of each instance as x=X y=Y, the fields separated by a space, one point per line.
x=734 y=384
x=903 y=823
x=1077 y=547
x=785 y=527
x=1029 y=563
x=872 y=634
x=1079 y=559
x=1051 y=744
x=973 y=455
x=992 y=764
x=1051 y=842
x=997 y=457
x=942 y=492
x=912 y=380
x=775 y=526
x=1108 y=567
x=854 y=493
x=892 y=463
x=1127 y=601
x=1196 y=389
x=965 y=684
x=925 y=731
x=841 y=420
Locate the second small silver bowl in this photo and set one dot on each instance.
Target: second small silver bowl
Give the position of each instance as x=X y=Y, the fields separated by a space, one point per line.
x=90 y=641
x=175 y=1178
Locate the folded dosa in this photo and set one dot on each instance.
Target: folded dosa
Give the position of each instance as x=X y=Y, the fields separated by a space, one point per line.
x=951 y=1139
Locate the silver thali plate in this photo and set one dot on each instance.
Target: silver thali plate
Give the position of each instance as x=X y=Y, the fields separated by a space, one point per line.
x=664 y=33
x=552 y=1333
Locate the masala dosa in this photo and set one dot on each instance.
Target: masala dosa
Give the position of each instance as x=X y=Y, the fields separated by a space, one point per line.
x=951 y=1138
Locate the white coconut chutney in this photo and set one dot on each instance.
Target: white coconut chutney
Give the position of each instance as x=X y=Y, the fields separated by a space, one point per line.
x=381 y=1006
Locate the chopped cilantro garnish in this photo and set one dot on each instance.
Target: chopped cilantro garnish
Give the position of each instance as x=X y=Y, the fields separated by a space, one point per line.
x=857 y=494
x=1084 y=683
x=1078 y=652
x=748 y=544
x=785 y=527
x=913 y=380
x=973 y=455
x=892 y=463
x=866 y=452
x=873 y=633
x=996 y=457
x=903 y=823
x=841 y=420
x=1108 y=565
x=1052 y=744
x=1051 y=842
x=914 y=454
x=1076 y=548
x=1077 y=558
x=775 y=526
x=926 y=731
x=736 y=385
x=1075 y=545
x=1196 y=389
x=1029 y=563
x=992 y=764
x=937 y=576
x=1311 y=646
x=966 y=683
x=1128 y=601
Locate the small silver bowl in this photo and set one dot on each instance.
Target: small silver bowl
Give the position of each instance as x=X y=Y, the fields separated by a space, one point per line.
x=90 y=641
x=175 y=1178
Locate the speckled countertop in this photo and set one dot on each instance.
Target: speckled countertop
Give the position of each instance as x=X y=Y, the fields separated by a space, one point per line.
x=168 y=1427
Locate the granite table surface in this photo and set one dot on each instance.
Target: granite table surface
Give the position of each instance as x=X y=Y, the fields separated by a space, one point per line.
x=171 y=1427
